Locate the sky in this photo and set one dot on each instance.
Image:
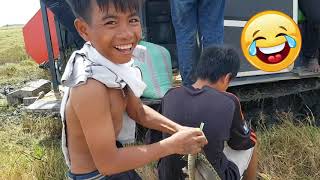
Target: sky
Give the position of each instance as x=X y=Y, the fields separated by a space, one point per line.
x=17 y=11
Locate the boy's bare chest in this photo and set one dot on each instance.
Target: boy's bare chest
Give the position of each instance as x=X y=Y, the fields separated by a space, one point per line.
x=118 y=100
x=118 y=103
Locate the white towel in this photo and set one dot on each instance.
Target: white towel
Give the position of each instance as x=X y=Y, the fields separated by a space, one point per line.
x=89 y=63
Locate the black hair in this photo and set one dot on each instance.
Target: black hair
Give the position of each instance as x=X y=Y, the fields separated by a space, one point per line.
x=82 y=8
x=217 y=61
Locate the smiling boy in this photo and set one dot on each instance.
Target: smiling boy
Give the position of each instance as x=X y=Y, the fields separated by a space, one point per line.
x=101 y=87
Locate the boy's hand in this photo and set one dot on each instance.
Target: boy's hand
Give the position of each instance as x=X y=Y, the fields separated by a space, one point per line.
x=187 y=141
x=182 y=128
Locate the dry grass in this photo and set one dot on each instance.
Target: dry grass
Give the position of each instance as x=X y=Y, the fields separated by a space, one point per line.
x=16 y=67
x=11 y=45
x=19 y=73
x=30 y=146
x=148 y=172
x=290 y=150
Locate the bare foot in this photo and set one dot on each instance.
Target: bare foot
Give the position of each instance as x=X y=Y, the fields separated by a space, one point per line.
x=313 y=65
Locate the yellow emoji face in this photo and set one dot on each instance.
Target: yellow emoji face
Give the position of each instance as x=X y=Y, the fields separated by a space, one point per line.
x=271 y=41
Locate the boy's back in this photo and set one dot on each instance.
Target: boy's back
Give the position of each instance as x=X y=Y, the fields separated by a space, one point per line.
x=207 y=101
x=222 y=117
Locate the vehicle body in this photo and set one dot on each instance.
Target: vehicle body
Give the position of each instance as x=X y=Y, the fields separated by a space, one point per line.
x=158 y=28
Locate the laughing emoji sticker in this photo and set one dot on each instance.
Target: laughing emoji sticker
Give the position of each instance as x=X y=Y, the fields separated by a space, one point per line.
x=271 y=41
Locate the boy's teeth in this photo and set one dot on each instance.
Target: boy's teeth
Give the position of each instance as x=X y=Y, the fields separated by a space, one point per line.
x=128 y=46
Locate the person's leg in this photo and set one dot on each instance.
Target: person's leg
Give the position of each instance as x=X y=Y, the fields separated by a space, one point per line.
x=309 y=33
x=310 y=9
x=245 y=160
x=211 y=18
x=184 y=19
x=251 y=172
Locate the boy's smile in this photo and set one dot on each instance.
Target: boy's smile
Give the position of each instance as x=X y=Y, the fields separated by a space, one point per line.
x=125 y=49
x=113 y=33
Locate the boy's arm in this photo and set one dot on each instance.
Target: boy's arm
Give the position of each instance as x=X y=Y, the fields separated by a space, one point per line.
x=242 y=137
x=91 y=104
x=150 y=118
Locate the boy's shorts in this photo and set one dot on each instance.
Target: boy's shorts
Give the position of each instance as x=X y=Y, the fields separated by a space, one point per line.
x=241 y=158
x=128 y=175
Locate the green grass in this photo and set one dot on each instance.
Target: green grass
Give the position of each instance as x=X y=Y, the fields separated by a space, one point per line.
x=19 y=73
x=11 y=45
x=30 y=146
x=16 y=67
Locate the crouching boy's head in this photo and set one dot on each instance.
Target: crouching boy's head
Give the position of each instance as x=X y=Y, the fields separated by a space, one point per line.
x=218 y=66
x=112 y=26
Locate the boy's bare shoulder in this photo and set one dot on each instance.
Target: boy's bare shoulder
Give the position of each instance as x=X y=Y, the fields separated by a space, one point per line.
x=91 y=86
x=92 y=90
x=90 y=101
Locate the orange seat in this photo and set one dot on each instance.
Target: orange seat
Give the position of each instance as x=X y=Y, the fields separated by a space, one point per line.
x=34 y=38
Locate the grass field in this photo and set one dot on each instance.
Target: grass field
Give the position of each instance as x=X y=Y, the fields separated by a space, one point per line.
x=16 y=67
x=30 y=144
x=289 y=150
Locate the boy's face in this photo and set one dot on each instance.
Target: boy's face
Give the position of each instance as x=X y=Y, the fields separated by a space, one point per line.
x=113 y=33
x=225 y=81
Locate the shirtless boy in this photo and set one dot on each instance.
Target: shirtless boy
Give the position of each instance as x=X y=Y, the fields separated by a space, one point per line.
x=92 y=112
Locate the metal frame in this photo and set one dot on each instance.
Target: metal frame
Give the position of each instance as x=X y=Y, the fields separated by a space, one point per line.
x=46 y=28
x=234 y=23
x=295 y=10
x=292 y=75
x=59 y=35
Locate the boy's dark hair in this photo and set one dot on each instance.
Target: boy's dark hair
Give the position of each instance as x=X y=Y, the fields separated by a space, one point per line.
x=82 y=8
x=217 y=61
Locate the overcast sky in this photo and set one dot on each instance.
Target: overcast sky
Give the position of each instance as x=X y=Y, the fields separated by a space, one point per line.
x=17 y=11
